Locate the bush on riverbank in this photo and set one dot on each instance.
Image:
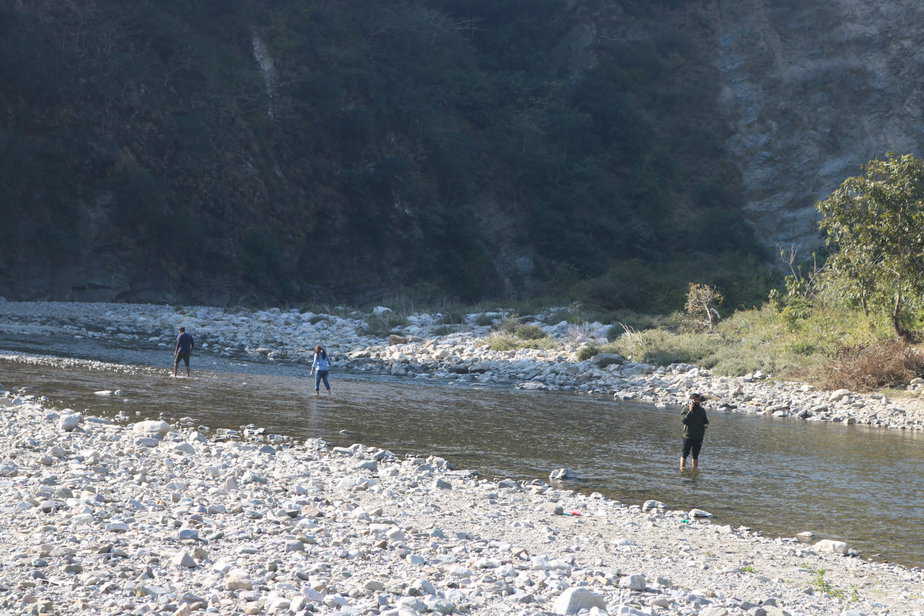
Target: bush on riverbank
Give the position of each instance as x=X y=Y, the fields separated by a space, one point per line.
x=872 y=366
x=779 y=342
x=507 y=342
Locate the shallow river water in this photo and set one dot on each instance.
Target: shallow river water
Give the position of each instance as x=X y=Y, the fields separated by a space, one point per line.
x=861 y=485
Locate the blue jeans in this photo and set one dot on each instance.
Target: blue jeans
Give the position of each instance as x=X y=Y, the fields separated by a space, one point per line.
x=318 y=377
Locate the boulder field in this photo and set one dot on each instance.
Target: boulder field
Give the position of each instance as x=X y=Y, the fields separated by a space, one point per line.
x=106 y=518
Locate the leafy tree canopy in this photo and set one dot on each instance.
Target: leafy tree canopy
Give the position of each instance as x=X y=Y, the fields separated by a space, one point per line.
x=875 y=225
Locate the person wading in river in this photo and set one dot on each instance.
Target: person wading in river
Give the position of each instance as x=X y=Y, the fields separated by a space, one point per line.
x=184 y=347
x=320 y=367
x=694 y=422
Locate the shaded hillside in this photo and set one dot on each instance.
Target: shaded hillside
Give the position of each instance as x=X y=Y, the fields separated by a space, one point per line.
x=233 y=150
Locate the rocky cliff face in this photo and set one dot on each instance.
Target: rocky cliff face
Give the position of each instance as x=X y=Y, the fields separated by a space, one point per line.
x=812 y=90
x=229 y=150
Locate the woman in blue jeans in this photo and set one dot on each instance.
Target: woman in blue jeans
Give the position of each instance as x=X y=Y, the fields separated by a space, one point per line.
x=320 y=367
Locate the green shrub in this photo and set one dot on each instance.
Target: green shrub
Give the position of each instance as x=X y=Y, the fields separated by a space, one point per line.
x=508 y=325
x=452 y=317
x=443 y=330
x=529 y=332
x=501 y=342
x=512 y=326
x=317 y=319
x=586 y=352
x=661 y=348
x=507 y=342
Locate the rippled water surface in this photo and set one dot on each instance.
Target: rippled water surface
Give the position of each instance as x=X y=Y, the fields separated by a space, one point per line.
x=861 y=485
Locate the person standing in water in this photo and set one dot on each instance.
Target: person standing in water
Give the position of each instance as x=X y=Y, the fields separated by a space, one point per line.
x=320 y=367
x=184 y=347
x=694 y=422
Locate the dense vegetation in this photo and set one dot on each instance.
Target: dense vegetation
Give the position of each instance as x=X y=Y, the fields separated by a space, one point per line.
x=850 y=321
x=235 y=150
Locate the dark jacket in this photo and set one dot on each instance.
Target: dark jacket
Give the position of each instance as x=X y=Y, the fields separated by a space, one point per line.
x=694 y=421
x=184 y=344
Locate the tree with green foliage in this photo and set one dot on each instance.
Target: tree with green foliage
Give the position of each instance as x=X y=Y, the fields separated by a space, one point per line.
x=874 y=224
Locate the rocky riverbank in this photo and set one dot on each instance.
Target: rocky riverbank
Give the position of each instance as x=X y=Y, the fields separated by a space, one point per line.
x=424 y=346
x=145 y=518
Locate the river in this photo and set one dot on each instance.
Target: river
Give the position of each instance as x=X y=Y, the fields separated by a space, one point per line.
x=861 y=485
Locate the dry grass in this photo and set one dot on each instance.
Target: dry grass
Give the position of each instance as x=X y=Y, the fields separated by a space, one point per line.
x=872 y=366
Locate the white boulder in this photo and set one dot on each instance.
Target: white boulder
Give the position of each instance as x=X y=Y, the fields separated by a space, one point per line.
x=151 y=427
x=70 y=422
x=576 y=599
x=830 y=546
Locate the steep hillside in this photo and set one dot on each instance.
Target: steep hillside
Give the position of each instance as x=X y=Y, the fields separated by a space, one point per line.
x=234 y=150
x=812 y=90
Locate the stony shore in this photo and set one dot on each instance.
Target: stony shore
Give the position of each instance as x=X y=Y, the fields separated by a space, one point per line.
x=425 y=349
x=153 y=518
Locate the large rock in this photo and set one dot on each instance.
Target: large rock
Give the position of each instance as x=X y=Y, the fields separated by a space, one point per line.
x=831 y=546
x=151 y=427
x=70 y=422
x=574 y=600
x=602 y=360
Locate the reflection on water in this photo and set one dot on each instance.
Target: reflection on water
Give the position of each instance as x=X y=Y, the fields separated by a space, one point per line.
x=864 y=486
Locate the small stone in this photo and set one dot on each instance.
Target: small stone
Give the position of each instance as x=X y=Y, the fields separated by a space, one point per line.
x=699 y=513
x=648 y=505
x=554 y=508
x=183 y=559
x=422 y=587
x=635 y=582
x=374 y=586
x=188 y=534
x=561 y=474
x=238 y=579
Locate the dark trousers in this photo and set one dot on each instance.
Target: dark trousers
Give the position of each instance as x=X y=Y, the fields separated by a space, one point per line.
x=321 y=375
x=181 y=356
x=692 y=446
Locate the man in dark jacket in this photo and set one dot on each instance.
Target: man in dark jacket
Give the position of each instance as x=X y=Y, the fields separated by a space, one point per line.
x=184 y=347
x=694 y=422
